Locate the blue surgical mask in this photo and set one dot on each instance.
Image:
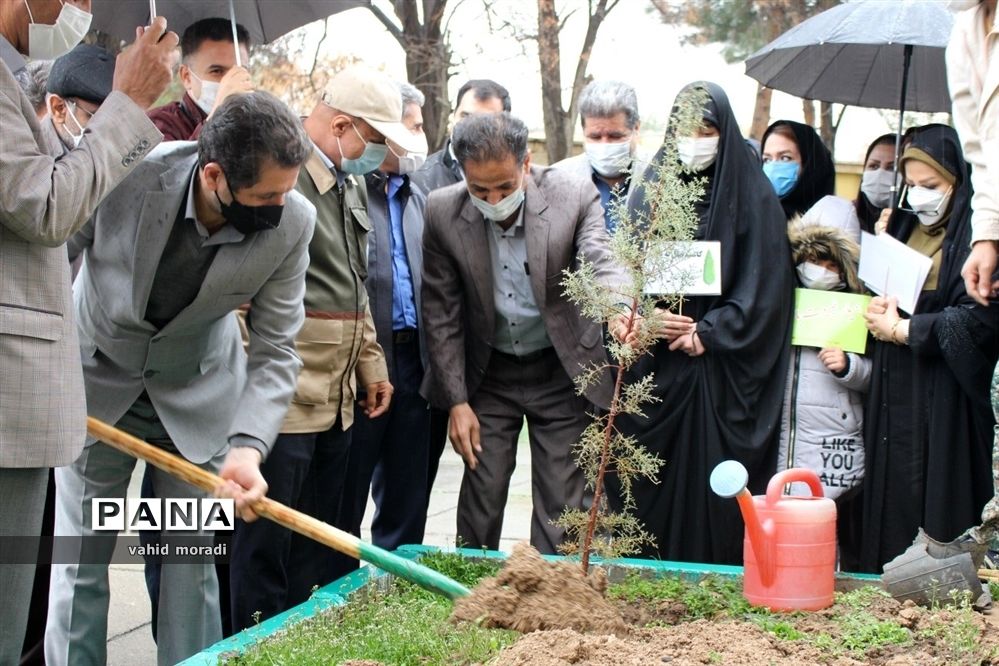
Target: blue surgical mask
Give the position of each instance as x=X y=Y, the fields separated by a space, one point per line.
x=372 y=157
x=782 y=175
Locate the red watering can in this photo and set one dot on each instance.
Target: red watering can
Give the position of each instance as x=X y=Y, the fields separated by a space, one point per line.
x=789 y=552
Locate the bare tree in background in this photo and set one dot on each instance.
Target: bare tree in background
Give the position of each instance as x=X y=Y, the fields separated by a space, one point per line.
x=421 y=30
x=559 y=121
x=276 y=67
x=744 y=27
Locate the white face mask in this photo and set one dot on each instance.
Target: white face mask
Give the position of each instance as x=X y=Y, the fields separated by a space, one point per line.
x=876 y=185
x=48 y=42
x=813 y=276
x=209 y=93
x=697 y=154
x=71 y=113
x=928 y=204
x=409 y=162
x=608 y=159
x=501 y=210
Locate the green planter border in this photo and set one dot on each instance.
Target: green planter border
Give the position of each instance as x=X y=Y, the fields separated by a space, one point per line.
x=339 y=591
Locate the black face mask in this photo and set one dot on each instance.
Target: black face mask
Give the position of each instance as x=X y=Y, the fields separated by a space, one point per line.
x=250 y=219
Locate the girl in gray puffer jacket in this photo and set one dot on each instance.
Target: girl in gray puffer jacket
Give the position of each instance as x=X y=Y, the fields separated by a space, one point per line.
x=822 y=423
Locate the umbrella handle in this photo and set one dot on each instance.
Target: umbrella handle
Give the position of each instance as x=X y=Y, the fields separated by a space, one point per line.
x=235 y=35
x=896 y=191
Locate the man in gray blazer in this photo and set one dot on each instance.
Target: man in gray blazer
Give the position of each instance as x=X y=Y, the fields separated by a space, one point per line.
x=504 y=342
x=608 y=111
x=42 y=203
x=197 y=231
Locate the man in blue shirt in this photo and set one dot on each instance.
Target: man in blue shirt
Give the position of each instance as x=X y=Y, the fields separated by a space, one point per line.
x=390 y=453
x=608 y=111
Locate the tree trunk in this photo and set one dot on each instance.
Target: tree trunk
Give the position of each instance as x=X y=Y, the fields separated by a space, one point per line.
x=828 y=129
x=426 y=71
x=551 y=82
x=761 y=113
x=428 y=59
x=808 y=107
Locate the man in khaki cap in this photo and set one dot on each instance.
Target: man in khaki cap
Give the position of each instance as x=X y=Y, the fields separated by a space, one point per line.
x=272 y=569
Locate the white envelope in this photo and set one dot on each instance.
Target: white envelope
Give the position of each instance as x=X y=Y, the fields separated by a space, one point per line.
x=891 y=268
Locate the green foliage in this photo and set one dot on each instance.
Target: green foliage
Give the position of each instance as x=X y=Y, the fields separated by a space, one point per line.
x=994 y=591
x=465 y=570
x=780 y=628
x=649 y=244
x=860 y=598
x=405 y=625
x=709 y=597
x=743 y=26
x=862 y=632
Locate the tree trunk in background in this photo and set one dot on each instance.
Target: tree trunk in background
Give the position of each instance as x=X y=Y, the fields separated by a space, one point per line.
x=549 y=58
x=829 y=127
x=560 y=122
x=808 y=108
x=428 y=59
x=761 y=113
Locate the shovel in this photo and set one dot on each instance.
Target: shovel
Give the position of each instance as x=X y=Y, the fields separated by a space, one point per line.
x=306 y=525
x=930 y=572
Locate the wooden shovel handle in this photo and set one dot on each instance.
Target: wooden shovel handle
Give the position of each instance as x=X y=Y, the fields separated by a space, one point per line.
x=285 y=516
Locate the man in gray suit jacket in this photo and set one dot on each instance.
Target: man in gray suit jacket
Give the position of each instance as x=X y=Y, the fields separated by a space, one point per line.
x=504 y=342
x=197 y=231
x=42 y=203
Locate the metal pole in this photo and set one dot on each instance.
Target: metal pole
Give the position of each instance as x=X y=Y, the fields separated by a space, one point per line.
x=906 y=61
x=152 y=11
x=235 y=34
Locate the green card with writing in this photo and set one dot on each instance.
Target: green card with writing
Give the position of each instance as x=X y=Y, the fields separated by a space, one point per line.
x=829 y=319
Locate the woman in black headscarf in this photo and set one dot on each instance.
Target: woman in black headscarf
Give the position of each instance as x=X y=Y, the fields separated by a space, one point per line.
x=721 y=387
x=798 y=165
x=929 y=423
x=875 y=193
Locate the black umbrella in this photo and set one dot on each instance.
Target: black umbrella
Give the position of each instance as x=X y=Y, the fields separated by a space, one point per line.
x=265 y=20
x=872 y=53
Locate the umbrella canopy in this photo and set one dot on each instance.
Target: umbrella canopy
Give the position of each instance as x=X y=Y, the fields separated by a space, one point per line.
x=265 y=20
x=855 y=54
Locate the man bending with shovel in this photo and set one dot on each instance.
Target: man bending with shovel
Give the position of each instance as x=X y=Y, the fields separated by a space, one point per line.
x=195 y=232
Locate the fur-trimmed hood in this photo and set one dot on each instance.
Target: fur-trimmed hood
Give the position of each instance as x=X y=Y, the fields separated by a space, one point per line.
x=817 y=242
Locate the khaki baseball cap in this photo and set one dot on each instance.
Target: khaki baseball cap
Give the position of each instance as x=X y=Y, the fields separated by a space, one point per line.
x=368 y=94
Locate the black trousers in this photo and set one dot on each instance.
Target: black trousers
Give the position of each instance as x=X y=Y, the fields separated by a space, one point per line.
x=389 y=455
x=271 y=568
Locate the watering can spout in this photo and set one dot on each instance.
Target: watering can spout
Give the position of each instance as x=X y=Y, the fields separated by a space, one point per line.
x=729 y=479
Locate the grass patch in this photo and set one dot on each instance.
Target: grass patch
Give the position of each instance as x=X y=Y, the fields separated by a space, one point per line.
x=707 y=598
x=407 y=626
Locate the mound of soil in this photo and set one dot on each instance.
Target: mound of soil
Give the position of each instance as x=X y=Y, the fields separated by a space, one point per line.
x=532 y=594
x=737 y=642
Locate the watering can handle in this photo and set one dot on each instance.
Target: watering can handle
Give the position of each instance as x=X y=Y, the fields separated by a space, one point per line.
x=776 y=486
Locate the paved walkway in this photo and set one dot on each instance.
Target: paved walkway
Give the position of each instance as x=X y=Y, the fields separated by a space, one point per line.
x=130 y=642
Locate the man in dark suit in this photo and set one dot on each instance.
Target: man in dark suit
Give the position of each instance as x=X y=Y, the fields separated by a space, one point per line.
x=504 y=342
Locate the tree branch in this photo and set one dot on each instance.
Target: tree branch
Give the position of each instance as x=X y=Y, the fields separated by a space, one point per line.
x=387 y=22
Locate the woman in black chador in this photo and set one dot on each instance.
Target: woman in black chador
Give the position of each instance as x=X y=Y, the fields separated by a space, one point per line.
x=928 y=432
x=721 y=389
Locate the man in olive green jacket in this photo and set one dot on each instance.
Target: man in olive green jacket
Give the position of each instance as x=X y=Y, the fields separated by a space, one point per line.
x=272 y=570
